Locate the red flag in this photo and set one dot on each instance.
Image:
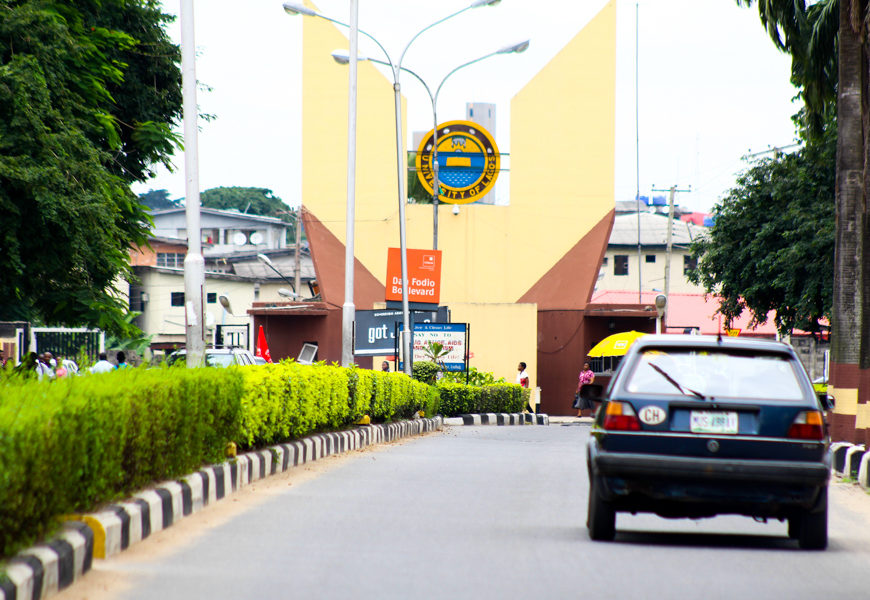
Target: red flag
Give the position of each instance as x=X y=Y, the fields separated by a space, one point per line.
x=262 y=346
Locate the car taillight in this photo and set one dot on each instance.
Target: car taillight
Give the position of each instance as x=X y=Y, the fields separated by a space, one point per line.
x=620 y=416
x=808 y=425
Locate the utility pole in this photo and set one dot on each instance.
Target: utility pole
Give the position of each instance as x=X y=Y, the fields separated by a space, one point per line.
x=673 y=191
x=297 y=259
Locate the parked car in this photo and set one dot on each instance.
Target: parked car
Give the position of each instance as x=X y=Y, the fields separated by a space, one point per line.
x=217 y=357
x=259 y=360
x=697 y=426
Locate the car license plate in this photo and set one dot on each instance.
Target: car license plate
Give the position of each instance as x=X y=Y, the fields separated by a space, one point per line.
x=705 y=421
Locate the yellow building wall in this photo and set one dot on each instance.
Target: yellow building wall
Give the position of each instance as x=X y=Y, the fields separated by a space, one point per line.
x=502 y=335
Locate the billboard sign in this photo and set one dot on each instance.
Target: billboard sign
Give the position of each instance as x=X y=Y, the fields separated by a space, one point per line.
x=374 y=331
x=468 y=162
x=424 y=273
x=454 y=338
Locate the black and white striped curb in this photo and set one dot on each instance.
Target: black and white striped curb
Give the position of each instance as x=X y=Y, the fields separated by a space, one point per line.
x=851 y=460
x=43 y=570
x=506 y=419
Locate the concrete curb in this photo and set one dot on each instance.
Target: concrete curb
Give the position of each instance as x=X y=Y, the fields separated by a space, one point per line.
x=45 y=569
x=838 y=457
x=505 y=419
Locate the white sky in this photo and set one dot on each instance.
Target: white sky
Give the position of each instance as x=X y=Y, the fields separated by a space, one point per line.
x=712 y=87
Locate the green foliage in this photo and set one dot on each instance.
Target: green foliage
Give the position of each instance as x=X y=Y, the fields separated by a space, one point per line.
x=87 y=94
x=158 y=200
x=425 y=371
x=458 y=399
x=70 y=444
x=772 y=245
x=474 y=377
x=289 y=400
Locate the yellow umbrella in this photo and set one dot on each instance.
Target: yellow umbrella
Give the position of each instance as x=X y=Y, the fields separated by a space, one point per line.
x=616 y=344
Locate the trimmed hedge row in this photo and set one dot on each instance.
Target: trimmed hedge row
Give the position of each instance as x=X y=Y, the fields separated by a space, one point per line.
x=459 y=399
x=289 y=400
x=70 y=445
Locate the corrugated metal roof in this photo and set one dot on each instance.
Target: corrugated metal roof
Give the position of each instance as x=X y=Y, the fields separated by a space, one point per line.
x=653 y=230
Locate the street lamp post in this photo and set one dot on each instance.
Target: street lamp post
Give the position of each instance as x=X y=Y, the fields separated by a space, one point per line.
x=433 y=98
x=194 y=264
x=295 y=9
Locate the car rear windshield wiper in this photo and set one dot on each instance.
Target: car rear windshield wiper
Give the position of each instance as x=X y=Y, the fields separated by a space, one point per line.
x=684 y=390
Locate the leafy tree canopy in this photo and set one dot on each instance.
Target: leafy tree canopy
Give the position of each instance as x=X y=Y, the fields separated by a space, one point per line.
x=772 y=245
x=88 y=92
x=250 y=200
x=158 y=200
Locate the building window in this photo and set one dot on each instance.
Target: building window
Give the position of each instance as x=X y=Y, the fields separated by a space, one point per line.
x=689 y=264
x=211 y=298
x=620 y=264
x=173 y=260
x=210 y=236
x=650 y=258
x=176 y=298
x=604 y=262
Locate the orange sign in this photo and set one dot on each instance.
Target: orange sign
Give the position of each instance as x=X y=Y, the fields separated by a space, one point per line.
x=424 y=273
x=733 y=332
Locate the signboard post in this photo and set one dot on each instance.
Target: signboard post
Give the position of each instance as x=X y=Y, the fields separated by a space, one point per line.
x=424 y=274
x=375 y=330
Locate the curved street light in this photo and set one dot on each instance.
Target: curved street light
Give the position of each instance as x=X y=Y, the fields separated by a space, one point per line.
x=343 y=58
x=347 y=335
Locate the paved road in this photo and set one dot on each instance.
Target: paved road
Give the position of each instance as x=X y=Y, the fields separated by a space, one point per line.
x=475 y=512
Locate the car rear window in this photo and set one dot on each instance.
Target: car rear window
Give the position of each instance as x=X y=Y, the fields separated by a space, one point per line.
x=715 y=374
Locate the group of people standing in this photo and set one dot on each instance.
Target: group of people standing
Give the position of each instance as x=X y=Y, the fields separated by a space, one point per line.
x=47 y=366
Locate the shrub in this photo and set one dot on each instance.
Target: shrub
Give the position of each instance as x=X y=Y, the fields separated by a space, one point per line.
x=457 y=398
x=69 y=445
x=425 y=371
x=472 y=377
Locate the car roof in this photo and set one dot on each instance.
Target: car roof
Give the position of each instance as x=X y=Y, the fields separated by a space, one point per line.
x=711 y=341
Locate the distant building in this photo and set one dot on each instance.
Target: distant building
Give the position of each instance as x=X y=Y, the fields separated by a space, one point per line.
x=231 y=244
x=619 y=268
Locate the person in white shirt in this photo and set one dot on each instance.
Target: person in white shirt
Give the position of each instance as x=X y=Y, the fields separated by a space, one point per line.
x=103 y=365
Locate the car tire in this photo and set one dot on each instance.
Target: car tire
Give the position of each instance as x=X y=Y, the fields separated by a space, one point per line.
x=812 y=531
x=600 y=517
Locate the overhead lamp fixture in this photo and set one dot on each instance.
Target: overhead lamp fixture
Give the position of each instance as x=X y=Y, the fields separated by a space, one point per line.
x=225 y=302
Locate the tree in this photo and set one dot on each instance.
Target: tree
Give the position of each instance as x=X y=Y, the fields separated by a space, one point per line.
x=771 y=247
x=830 y=53
x=158 y=200
x=88 y=93
x=250 y=200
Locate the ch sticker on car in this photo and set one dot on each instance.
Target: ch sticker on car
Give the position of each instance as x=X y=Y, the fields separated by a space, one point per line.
x=652 y=415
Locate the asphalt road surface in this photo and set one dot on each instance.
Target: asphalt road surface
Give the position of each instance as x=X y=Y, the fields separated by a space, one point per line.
x=474 y=512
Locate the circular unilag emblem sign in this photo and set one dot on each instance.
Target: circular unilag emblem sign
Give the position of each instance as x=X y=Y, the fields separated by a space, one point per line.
x=468 y=162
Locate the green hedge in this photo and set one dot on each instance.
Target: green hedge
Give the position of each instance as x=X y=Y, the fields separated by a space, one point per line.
x=68 y=445
x=458 y=399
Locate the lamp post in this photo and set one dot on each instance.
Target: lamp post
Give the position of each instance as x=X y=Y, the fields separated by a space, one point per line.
x=342 y=58
x=268 y=262
x=194 y=264
x=296 y=9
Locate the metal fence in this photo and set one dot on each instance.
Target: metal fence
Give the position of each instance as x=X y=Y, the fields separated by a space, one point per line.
x=68 y=342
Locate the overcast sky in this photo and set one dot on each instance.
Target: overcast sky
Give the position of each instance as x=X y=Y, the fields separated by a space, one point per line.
x=711 y=88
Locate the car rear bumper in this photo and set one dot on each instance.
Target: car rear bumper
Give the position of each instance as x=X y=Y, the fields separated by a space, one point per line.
x=636 y=465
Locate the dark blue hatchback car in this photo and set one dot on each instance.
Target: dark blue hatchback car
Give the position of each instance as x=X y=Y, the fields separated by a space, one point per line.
x=697 y=426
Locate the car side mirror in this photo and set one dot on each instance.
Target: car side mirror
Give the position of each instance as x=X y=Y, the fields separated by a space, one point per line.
x=826 y=400
x=592 y=391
